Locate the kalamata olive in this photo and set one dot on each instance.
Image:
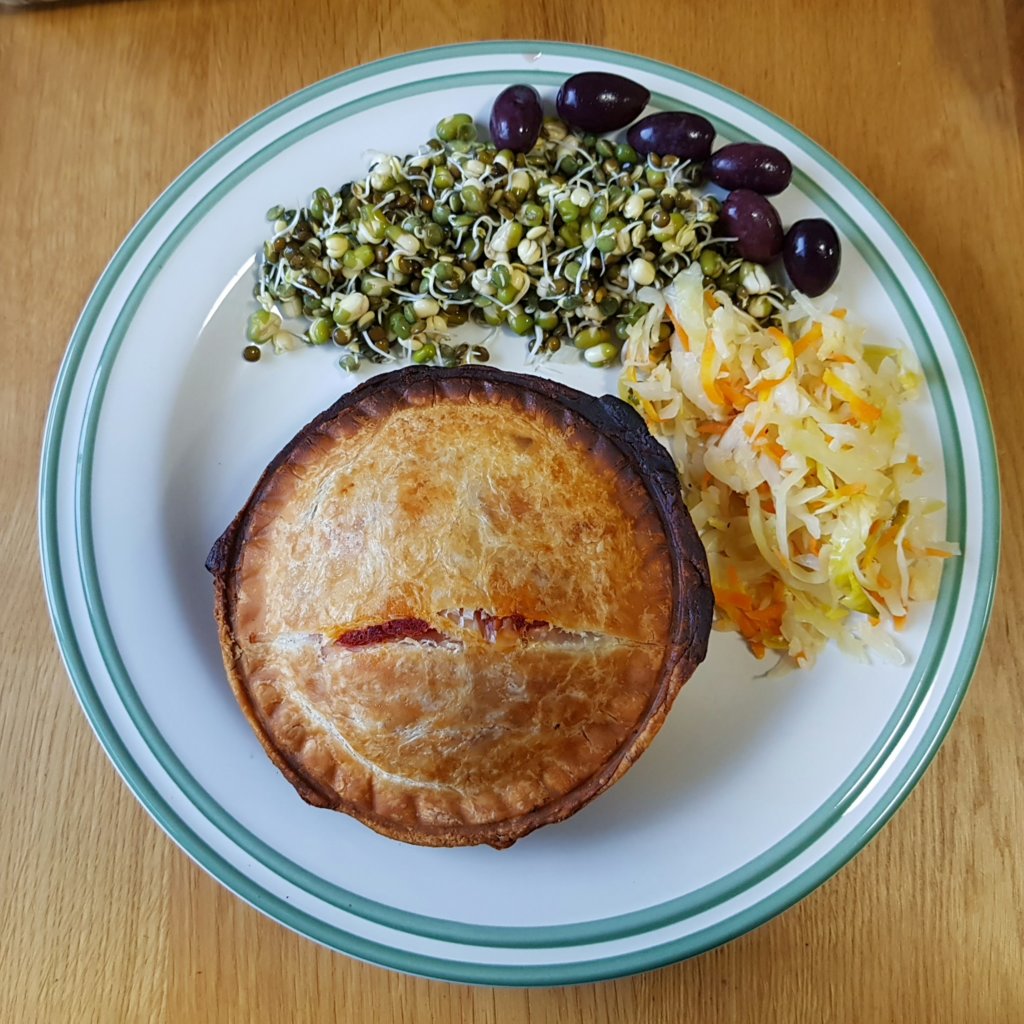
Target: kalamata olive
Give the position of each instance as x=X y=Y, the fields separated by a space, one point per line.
x=673 y=133
x=596 y=101
x=755 y=224
x=812 y=255
x=516 y=118
x=751 y=165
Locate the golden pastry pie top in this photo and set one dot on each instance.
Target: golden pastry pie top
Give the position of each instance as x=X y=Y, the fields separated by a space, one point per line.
x=460 y=602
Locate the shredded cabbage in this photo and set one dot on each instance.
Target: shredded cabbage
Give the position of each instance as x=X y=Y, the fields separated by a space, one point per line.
x=795 y=465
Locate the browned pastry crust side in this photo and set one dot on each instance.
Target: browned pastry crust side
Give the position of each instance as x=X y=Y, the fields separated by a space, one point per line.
x=611 y=421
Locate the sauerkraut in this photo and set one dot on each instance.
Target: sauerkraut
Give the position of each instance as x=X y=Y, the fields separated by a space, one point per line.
x=791 y=448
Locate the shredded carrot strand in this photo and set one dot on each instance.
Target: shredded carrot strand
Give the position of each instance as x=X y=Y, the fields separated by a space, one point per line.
x=683 y=336
x=760 y=626
x=650 y=413
x=765 y=388
x=707 y=373
x=733 y=395
x=709 y=298
x=812 y=337
x=848 y=490
x=735 y=599
x=712 y=427
x=864 y=411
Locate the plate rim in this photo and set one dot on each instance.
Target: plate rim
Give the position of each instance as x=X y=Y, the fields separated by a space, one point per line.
x=980 y=612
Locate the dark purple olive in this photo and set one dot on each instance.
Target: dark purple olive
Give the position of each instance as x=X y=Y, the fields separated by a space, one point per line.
x=755 y=224
x=687 y=136
x=516 y=118
x=596 y=101
x=812 y=255
x=751 y=165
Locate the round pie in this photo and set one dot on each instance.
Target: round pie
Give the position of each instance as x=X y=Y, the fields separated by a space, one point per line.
x=460 y=603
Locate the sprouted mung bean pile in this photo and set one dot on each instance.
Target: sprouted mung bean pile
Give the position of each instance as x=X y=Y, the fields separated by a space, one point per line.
x=791 y=448
x=555 y=243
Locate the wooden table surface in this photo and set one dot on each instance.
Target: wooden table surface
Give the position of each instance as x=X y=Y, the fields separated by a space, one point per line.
x=101 y=106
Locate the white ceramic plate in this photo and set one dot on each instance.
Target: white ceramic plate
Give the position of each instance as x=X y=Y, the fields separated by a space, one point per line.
x=754 y=792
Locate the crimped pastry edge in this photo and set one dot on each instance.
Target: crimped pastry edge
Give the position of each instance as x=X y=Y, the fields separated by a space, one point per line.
x=693 y=600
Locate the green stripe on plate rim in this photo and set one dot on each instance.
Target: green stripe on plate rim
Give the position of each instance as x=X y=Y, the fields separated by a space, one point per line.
x=630 y=923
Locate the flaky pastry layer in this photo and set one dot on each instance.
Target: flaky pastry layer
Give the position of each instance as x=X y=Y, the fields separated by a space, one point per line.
x=460 y=602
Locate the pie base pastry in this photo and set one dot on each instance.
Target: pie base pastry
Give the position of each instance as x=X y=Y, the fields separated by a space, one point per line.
x=459 y=604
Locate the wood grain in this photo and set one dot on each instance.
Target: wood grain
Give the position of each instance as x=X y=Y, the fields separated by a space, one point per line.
x=101 y=105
